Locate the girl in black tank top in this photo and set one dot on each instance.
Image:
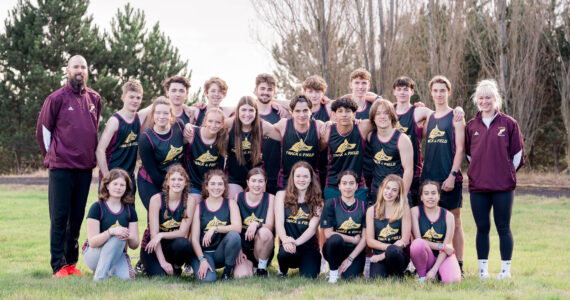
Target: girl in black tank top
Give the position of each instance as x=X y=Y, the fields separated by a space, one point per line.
x=297 y=213
x=298 y=146
x=215 y=229
x=257 y=214
x=388 y=229
x=386 y=159
x=430 y=229
x=165 y=247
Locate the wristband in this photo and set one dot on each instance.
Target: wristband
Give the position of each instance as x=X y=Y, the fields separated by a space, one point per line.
x=350 y=259
x=443 y=249
x=201 y=258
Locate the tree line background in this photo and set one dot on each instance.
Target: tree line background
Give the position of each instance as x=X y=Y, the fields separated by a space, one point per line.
x=524 y=45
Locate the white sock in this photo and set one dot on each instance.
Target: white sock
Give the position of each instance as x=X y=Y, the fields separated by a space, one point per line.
x=483 y=266
x=262 y=264
x=333 y=273
x=505 y=266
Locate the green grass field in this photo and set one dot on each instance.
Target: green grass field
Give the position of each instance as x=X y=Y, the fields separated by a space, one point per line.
x=541 y=262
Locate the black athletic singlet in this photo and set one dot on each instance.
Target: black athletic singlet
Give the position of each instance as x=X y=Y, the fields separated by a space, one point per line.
x=183 y=117
x=108 y=219
x=209 y=219
x=238 y=173
x=386 y=158
x=298 y=146
x=201 y=158
x=385 y=232
x=345 y=153
x=170 y=220
x=251 y=214
x=122 y=150
x=432 y=231
x=167 y=148
x=440 y=148
x=322 y=114
x=201 y=116
x=297 y=223
x=271 y=149
x=365 y=113
x=407 y=124
x=349 y=220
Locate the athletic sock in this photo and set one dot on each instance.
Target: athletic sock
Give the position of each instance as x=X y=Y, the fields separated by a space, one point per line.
x=262 y=264
x=367 y=268
x=505 y=270
x=333 y=276
x=483 y=268
x=461 y=266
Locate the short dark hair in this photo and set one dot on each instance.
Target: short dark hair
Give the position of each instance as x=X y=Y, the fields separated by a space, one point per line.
x=176 y=79
x=345 y=102
x=405 y=82
x=297 y=99
x=265 y=78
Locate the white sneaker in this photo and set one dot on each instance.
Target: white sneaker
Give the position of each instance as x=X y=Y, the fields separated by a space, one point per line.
x=483 y=275
x=503 y=275
x=333 y=279
x=324 y=266
x=421 y=279
x=187 y=270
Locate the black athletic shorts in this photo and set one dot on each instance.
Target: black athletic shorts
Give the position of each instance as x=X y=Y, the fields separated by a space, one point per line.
x=452 y=199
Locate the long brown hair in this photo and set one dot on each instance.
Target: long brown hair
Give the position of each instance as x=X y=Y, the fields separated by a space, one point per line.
x=127 y=198
x=399 y=202
x=221 y=136
x=255 y=133
x=176 y=168
x=207 y=177
x=313 y=196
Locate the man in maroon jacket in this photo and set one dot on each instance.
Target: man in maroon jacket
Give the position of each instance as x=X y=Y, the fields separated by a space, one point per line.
x=67 y=136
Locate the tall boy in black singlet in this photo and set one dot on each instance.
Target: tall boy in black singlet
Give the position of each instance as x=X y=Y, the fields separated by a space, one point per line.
x=118 y=144
x=444 y=152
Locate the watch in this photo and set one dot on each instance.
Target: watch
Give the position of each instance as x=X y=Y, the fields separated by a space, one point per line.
x=440 y=247
x=454 y=173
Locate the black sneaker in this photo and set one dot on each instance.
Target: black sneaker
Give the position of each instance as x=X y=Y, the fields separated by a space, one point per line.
x=261 y=273
x=139 y=268
x=227 y=275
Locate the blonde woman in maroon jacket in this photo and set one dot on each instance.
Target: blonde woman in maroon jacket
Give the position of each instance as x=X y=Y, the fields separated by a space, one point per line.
x=495 y=149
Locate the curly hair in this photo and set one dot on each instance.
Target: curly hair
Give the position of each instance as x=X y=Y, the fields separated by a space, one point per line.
x=116 y=173
x=208 y=177
x=176 y=168
x=313 y=196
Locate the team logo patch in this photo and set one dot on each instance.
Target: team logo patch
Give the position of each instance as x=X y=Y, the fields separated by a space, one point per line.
x=301 y=214
x=348 y=225
x=400 y=127
x=115 y=225
x=345 y=146
x=435 y=133
x=300 y=146
x=501 y=131
x=132 y=136
x=70 y=108
x=172 y=153
x=207 y=157
x=92 y=108
x=387 y=231
x=381 y=156
x=253 y=218
x=170 y=225
x=476 y=133
x=246 y=144
x=432 y=235
x=215 y=222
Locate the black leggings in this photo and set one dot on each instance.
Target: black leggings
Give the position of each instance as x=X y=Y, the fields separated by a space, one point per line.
x=308 y=260
x=394 y=263
x=502 y=203
x=335 y=250
x=176 y=252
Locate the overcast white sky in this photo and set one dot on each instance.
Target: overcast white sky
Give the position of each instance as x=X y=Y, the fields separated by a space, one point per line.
x=215 y=36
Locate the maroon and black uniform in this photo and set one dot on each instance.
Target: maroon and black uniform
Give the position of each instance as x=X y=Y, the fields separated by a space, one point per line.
x=407 y=124
x=439 y=154
x=67 y=136
x=492 y=177
x=271 y=152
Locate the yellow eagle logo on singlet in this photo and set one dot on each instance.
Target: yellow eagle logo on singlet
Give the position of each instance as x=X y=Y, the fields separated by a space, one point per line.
x=207 y=157
x=215 y=222
x=345 y=146
x=301 y=214
x=246 y=144
x=400 y=127
x=251 y=219
x=169 y=225
x=300 y=146
x=349 y=224
x=132 y=136
x=388 y=231
x=172 y=153
x=434 y=133
x=115 y=225
x=432 y=235
x=381 y=156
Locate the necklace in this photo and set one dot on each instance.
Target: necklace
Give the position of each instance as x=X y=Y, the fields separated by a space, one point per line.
x=306 y=133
